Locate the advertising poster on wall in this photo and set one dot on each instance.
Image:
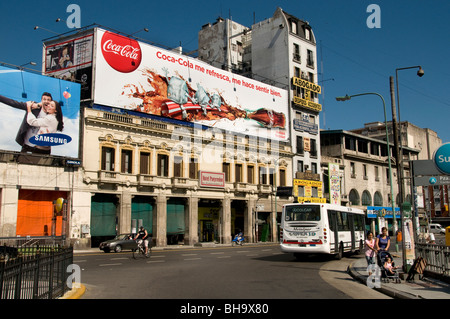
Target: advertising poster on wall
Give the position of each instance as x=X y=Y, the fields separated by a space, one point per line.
x=335 y=183
x=136 y=76
x=40 y=114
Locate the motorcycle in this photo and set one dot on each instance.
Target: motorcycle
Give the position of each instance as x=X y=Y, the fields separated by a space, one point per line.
x=238 y=240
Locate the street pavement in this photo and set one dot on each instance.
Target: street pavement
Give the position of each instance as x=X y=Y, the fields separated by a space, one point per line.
x=427 y=288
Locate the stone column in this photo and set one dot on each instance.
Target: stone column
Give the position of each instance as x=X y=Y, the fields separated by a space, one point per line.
x=160 y=221
x=191 y=221
x=8 y=217
x=249 y=222
x=125 y=212
x=226 y=221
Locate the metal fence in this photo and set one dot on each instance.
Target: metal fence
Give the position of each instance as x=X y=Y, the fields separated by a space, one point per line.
x=437 y=258
x=34 y=269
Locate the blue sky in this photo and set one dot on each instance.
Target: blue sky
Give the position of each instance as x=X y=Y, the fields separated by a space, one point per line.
x=352 y=57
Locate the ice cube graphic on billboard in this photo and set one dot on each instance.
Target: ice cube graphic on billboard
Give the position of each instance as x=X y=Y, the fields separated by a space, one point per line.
x=140 y=77
x=40 y=128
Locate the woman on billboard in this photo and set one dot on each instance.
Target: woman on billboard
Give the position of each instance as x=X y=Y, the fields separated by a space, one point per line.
x=53 y=120
x=38 y=114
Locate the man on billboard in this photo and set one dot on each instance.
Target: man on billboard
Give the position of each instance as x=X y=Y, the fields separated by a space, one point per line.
x=43 y=117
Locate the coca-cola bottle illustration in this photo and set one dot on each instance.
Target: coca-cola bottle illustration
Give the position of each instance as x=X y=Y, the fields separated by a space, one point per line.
x=268 y=118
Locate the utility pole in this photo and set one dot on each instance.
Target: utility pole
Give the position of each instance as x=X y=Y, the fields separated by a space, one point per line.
x=398 y=157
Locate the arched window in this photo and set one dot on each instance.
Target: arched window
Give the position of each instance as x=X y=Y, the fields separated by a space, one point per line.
x=366 y=198
x=378 y=199
x=354 y=197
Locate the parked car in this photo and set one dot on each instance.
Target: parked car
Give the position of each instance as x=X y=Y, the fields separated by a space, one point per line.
x=121 y=242
x=437 y=229
x=7 y=253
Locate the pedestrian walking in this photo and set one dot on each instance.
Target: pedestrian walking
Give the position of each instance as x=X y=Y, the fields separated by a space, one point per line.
x=370 y=251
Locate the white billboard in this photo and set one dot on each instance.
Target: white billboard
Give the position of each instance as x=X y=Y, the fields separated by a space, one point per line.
x=140 y=77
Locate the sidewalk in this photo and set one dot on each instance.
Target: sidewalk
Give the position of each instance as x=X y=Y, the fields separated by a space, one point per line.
x=427 y=288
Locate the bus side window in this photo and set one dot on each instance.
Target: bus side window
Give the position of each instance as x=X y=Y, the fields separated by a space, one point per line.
x=331 y=219
x=343 y=224
x=359 y=222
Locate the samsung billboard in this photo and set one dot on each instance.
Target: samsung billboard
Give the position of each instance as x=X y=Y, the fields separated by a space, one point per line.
x=40 y=114
x=139 y=77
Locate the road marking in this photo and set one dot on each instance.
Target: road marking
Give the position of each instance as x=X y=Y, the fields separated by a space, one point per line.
x=243 y=251
x=218 y=253
x=224 y=257
x=105 y=265
x=156 y=261
x=191 y=258
x=119 y=258
x=159 y=256
x=189 y=254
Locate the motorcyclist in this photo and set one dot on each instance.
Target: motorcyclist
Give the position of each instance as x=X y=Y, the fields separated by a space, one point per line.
x=239 y=237
x=143 y=235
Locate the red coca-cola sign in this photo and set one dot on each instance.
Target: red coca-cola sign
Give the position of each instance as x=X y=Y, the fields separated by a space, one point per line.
x=122 y=54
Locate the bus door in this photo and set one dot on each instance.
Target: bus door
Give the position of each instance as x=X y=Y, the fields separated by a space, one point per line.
x=351 y=223
x=334 y=236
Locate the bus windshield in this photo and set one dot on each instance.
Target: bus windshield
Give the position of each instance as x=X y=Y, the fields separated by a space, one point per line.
x=302 y=213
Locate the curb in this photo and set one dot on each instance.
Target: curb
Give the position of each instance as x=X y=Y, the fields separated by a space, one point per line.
x=75 y=293
x=394 y=293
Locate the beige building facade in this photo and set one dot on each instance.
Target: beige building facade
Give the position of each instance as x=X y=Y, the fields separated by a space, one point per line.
x=150 y=172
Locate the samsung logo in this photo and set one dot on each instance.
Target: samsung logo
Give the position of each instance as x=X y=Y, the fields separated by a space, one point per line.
x=51 y=139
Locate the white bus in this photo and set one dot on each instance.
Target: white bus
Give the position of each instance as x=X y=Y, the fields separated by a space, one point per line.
x=314 y=228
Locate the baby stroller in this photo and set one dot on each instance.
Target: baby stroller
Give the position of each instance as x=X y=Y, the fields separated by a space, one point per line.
x=386 y=276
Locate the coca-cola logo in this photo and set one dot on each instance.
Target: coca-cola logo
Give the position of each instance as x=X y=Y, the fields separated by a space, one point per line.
x=122 y=54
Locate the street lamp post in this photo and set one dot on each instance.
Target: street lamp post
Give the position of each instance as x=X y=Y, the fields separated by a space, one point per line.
x=420 y=73
x=348 y=97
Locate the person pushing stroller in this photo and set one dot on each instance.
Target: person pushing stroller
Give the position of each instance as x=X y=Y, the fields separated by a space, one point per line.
x=384 y=258
x=383 y=240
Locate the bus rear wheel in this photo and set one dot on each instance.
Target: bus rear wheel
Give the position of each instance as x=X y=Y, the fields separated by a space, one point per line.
x=340 y=253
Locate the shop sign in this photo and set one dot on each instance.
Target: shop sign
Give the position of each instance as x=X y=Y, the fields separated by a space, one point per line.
x=382 y=212
x=212 y=179
x=306 y=85
x=311 y=200
x=308 y=186
x=305 y=126
x=304 y=182
x=307 y=144
x=307 y=104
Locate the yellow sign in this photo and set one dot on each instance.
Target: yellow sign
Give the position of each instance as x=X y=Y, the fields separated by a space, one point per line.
x=307 y=187
x=311 y=200
x=306 y=85
x=307 y=144
x=307 y=104
x=305 y=182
